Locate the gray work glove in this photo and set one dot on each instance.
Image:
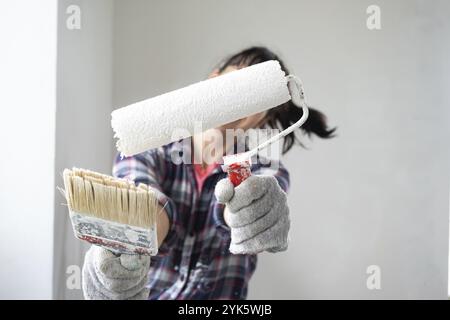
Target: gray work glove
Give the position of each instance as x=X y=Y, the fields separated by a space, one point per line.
x=257 y=213
x=110 y=277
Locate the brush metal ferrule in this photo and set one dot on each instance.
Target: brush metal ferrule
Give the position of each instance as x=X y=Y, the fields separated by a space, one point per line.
x=116 y=237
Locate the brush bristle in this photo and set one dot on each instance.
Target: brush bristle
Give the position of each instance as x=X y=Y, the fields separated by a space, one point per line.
x=105 y=197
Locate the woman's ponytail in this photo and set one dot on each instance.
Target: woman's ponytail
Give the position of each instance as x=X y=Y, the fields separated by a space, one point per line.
x=288 y=113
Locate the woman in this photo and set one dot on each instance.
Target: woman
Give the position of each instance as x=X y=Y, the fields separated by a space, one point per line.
x=209 y=232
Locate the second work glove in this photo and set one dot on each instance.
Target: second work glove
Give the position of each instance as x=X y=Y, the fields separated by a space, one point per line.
x=257 y=213
x=107 y=276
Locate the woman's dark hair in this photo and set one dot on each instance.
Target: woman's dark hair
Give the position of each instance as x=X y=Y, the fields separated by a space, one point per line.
x=288 y=113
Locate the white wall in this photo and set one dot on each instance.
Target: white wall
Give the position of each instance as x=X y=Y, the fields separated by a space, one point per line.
x=377 y=194
x=27 y=131
x=83 y=131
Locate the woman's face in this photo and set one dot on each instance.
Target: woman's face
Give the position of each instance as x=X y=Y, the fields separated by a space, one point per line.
x=253 y=121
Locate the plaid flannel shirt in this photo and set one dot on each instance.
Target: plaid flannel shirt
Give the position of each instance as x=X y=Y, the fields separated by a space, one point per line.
x=193 y=261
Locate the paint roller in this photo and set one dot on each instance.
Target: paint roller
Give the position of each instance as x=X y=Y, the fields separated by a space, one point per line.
x=117 y=215
x=214 y=102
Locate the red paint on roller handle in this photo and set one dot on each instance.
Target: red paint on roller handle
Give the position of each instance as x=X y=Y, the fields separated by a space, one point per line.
x=238 y=172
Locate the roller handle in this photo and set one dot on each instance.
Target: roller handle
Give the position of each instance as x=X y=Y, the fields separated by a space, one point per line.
x=238 y=172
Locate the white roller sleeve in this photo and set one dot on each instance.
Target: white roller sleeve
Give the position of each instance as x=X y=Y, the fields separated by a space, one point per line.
x=151 y=123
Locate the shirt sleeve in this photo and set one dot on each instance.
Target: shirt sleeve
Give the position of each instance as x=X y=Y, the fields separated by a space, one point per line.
x=150 y=168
